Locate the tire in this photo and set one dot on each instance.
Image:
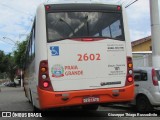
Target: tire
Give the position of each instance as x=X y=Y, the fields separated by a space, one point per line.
x=90 y=107
x=30 y=100
x=35 y=109
x=143 y=104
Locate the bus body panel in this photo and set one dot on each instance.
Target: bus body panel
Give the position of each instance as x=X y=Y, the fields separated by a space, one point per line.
x=79 y=65
x=127 y=33
x=40 y=51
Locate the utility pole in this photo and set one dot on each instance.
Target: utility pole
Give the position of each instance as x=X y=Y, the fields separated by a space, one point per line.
x=155 y=32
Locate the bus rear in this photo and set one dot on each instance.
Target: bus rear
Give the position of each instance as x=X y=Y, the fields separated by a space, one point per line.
x=87 y=56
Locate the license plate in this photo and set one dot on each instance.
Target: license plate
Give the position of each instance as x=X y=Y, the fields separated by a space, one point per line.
x=91 y=99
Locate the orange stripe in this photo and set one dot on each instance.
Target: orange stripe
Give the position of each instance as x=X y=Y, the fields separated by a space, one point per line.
x=49 y=99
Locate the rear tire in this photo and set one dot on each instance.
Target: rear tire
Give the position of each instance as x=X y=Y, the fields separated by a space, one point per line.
x=143 y=104
x=35 y=109
x=90 y=107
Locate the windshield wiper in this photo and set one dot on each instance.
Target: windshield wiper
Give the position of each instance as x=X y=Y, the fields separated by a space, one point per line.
x=62 y=20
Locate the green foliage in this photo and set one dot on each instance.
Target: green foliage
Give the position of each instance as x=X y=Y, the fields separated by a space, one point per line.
x=2 y=62
x=19 y=54
x=7 y=65
x=10 y=67
x=11 y=62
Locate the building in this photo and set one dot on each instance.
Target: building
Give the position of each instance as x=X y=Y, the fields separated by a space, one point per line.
x=143 y=44
x=142 y=52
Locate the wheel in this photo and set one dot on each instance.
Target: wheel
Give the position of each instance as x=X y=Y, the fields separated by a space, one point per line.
x=35 y=109
x=90 y=107
x=143 y=104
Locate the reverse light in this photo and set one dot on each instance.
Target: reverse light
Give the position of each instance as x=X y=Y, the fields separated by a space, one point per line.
x=130 y=72
x=44 y=76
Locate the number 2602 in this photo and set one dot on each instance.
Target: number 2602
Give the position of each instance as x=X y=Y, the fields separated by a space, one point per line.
x=87 y=57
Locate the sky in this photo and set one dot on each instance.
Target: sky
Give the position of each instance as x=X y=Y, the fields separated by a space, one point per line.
x=17 y=18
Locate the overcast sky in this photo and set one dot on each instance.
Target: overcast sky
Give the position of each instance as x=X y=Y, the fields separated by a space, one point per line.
x=17 y=18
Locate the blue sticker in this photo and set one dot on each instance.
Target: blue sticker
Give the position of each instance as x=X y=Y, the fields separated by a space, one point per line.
x=54 y=50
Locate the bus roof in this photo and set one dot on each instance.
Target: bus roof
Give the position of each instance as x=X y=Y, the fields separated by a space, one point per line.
x=81 y=1
x=82 y=6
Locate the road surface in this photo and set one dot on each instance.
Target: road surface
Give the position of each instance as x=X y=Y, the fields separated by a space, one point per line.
x=13 y=99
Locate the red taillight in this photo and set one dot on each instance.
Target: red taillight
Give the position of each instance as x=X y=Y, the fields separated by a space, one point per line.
x=47 y=7
x=44 y=80
x=45 y=84
x=129 y=77
x=118 y=8
x=154 y=78
x=87 y=39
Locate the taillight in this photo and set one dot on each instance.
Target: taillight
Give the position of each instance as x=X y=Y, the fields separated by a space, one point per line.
x=154 y=78
x=129 y=78
x=45 y=84
x=48 y=7
x=44 y=80
x=87 y=39
x=118 y=8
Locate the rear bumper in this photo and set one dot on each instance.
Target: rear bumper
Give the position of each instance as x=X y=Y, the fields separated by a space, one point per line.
x=48 y=99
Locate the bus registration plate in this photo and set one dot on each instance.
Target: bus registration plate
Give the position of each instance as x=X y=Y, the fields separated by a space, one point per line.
x=92 y=99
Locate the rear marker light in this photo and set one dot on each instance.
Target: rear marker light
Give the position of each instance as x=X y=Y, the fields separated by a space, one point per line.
x=130 y=65
x=45 y=84
x=43 y=69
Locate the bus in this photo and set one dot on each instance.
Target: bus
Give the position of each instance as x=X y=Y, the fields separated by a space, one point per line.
x=78 y=54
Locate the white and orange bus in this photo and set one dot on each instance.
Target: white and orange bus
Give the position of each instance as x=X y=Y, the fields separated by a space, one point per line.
x=79 y=54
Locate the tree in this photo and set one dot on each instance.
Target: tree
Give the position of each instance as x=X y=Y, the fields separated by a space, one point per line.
x=7 y=65
x=10 y=63
x=10 y=67
x=19 y=53
x=2 y=60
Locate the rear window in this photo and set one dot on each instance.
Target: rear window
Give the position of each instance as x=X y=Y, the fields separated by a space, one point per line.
x=158 y=74
x=65 y=25
x=140 y=75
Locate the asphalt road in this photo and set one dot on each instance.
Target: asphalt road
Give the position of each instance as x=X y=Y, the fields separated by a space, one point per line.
x=13 y=99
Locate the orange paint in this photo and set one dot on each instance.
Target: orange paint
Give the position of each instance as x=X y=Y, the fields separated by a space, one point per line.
x=53 y=99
